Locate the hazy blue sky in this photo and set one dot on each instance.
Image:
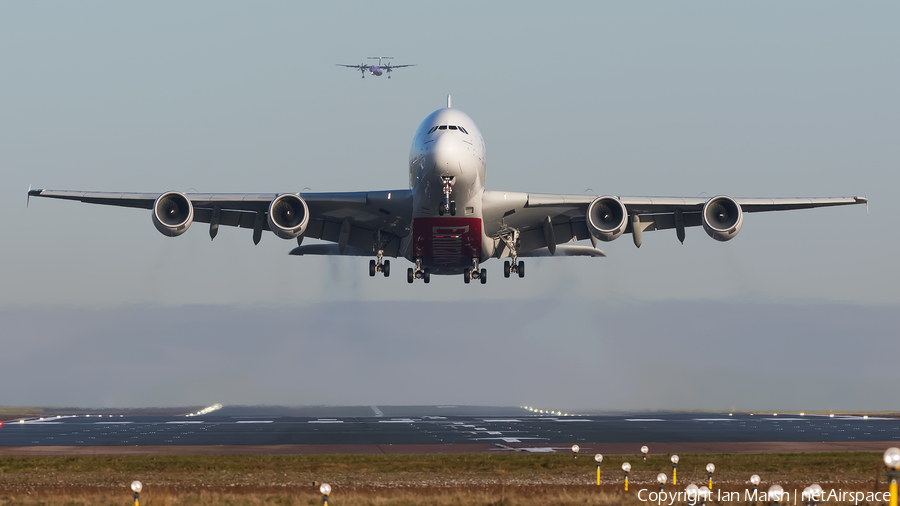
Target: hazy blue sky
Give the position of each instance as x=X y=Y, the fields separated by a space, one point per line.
x=654 y=98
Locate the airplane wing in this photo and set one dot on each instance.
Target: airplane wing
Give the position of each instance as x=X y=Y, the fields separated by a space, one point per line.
x=401 y=66
x=356 y=221
x=544 y=220
x=357 y=67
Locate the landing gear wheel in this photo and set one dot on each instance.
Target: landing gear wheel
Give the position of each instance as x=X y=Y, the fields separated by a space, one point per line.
x=453 y=209
x=426 y=276
x=371 y=267
x=521 y=269
x=386 y=268
x=441 y=211
x=410 y=275
x=467 y=276
x=483 y=276
x=506 y=269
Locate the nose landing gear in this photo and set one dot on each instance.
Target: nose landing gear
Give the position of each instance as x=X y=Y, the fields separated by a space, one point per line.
x=418 y=272
x=448 y=206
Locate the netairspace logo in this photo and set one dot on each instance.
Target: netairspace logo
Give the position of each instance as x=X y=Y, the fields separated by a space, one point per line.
x=835 y=495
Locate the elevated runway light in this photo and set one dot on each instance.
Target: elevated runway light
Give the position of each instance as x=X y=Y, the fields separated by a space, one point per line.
x=575 y=449
x=137 y=486
x=774 y=495
x=710 y=469
x=626 y=467
x=644 y=451
x=754 y=480
x=598 y=458
x=690 y=493
x=704 y=493
x=892 y=462
x=661 y=479
x=325 y=489
x=674 y=460
x=816 y=494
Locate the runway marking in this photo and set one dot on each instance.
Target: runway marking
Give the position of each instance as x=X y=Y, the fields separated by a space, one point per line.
x=184 y=421
x=400 y=420
x=567 y=420
x=501 y=420
x=377 y=411
x=507 y=438
x=325 y=421
x=494 y=433
x=716 y=419
x=644 y=420
x=253 y=421
x=110 y=422
x=788 y=419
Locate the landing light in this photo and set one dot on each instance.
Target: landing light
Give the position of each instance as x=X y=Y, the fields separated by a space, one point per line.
x=136 y=486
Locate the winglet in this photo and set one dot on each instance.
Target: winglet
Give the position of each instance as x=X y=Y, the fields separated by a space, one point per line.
x=28 y=198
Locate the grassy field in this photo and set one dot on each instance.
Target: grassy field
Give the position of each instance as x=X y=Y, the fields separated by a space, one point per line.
x=477 y=479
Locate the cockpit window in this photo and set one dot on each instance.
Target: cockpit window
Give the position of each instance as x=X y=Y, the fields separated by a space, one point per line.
x=443 y=127
x=452 y=127
x=463 y=130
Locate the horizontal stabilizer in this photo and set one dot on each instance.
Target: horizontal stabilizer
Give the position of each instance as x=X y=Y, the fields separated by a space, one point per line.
x=565 y=250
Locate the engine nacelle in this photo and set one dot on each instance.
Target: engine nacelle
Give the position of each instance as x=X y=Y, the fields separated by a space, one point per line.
x=173 y=213
x=288 y=216
x=606 y=218
x=722 y=218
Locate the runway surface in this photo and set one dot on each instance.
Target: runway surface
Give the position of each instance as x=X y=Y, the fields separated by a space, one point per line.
x=438 y=429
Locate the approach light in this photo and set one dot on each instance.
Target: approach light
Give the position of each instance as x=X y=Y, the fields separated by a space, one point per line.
x=136 y=486
x=674 y=459
x=575 y=449
x=598 y=458
x=710 y=468
x=754 y=479
x=691 y=492
x=626 y=467
x=325 y=489
x=661 y=478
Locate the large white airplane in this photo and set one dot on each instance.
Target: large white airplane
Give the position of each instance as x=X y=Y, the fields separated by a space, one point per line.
x=446 y=222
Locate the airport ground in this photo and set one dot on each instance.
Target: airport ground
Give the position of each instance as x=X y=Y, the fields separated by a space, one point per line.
x=488 y=479
x=437 y=455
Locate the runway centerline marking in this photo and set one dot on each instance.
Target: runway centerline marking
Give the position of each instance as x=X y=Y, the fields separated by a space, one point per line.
x=644 y=420
x=253 y=421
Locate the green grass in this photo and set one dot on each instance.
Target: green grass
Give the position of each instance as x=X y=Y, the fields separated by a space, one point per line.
x=857 y=462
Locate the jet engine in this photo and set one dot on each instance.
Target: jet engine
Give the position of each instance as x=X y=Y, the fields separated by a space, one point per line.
x=288 y=216
x=606 y=218
x=722 y=218
x=173 y=213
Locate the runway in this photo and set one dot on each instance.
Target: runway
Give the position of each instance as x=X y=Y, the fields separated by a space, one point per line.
x=438 y=429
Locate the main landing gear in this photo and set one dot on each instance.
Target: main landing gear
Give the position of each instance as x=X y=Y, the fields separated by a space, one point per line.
x=379 y=266
x=511 y=238
x=513 y=268
x=448 y=206
x=418 y=273
x=475 y=273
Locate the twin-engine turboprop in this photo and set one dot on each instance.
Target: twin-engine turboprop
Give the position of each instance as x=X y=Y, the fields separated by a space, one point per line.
x=376 y=70
x=446 y=223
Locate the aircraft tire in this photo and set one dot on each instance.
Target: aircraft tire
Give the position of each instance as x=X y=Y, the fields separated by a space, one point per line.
x=410 y=276
x=426 y=276
x=483 y=276
x=371 y=267
x=386 y=268
x=467 y=276
x=521 y=269
x=506 y=269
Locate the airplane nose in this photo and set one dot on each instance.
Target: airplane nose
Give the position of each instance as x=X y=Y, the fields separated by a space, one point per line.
x=446 y=153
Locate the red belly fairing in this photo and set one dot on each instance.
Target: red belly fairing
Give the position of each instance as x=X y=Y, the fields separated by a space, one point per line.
x=447 y=242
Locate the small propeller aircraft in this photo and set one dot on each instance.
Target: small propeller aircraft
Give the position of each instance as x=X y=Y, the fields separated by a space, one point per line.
x=376 y=70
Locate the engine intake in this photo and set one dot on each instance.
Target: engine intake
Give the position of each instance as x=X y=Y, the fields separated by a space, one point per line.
x=173 y=213
x=288 y=216
x=606 y=218
x=722 y=218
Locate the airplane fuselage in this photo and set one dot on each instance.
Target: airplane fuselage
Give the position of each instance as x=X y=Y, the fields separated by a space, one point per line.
x=447 y=151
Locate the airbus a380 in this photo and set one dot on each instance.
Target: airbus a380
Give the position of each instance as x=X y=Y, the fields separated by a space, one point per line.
x=446 y=222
